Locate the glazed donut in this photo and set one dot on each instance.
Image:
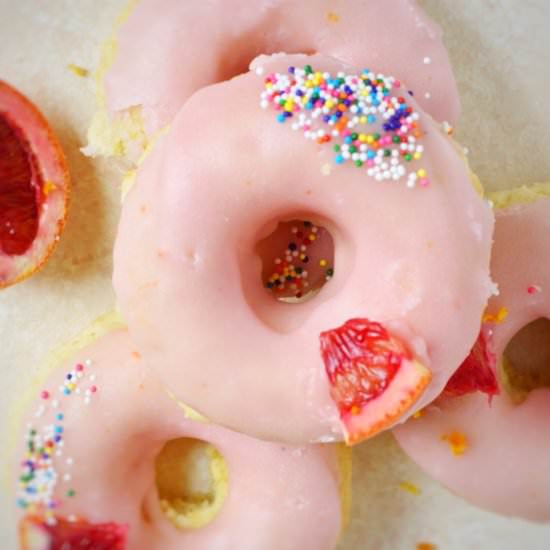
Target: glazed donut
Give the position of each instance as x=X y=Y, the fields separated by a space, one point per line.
x=188 y=275
x=184 y=46
x=110 y=458
x=500 y=449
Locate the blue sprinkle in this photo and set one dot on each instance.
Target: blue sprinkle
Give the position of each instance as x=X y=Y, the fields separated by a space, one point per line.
x=347 y=139
x=280 y=118
x=21 y=503
x=58 y=429
x=309 y=105
x=371 y=119
x=370 y=154
x=66 y=391
x=339 y=159
x=59 y=416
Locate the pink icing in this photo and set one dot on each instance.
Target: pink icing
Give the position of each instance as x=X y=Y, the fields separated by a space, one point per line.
x=279 y=496
x=188 y=280
x=169 y=49
x=505 y=465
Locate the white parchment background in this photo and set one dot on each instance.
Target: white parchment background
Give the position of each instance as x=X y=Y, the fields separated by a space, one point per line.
x=501 y=54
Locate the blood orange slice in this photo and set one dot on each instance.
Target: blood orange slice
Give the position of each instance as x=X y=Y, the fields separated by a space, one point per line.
x=34 y=187
x=36 y=534
x=477 y=371
x=373 y=377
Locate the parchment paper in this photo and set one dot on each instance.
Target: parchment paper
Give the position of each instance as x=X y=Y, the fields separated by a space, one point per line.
x=500 y=51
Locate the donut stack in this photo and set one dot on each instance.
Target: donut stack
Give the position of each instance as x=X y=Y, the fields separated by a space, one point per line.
x=303 y=261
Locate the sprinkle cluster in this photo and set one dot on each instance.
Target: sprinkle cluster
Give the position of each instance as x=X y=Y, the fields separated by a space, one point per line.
x=366 y=122
x=289 y=272
x=44 y=445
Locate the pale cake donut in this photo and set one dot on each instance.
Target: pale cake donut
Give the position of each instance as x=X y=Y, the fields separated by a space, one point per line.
x=109 y=457
x=188 y=275
x=166 y=50
x=496 y=453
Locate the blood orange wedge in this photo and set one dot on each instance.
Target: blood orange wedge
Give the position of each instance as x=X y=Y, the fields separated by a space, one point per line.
x=374 y=378
x=36 y=534
x=477 y=371
x=34 y=187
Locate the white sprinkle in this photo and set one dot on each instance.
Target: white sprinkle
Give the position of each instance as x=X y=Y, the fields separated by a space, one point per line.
x=259 y=71
x=427 y=60
x=427 y=95
x=326 y=169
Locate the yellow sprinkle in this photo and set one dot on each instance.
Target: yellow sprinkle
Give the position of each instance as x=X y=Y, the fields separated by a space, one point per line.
x=457 y=442
x=333 y=17
x=311 y=237
x=322 y=263
x=417 y=156
x=418 y=414
x=500 y=315
x=78 y=71
x=421 y=173
x=48 y=187
x=410 y=488
x=363 y=137
x=370 y=139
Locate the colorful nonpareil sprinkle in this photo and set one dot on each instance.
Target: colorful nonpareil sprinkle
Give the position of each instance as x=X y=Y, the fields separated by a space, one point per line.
x=533 y=289
x=362 y=117
x=290 y=271
x=410 y=488
x=42 y=467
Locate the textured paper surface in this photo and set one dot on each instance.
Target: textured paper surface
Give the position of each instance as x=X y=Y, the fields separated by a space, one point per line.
x=501 y=57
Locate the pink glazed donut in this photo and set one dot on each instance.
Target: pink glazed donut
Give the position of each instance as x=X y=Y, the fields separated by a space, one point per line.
x=109 y=458
x=405 y=232
x=496 y=453
x=168 y=49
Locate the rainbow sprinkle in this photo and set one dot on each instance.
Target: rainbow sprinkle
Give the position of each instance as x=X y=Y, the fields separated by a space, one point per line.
x=44 y=446
x=290 y=272
x=366 y=123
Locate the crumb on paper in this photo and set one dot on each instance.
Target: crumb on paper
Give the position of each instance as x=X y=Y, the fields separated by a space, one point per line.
x=78 y=70
x=410 y=488
x=457 y=442
x=333 y=17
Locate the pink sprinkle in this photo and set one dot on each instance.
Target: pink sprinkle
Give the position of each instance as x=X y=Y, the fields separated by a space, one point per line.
x=93 y=389
x=397 y=84
x=424 y=182
x=533 y=289
x=44 y=394
x=370 y=162
x=79 y=367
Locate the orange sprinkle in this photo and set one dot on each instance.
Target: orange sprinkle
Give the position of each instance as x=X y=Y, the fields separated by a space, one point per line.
x=426 y=546
x=457 y=442
x=333 y=17
x=136 y=355
x=410 y=488
x=497 y=317
x=418 y=414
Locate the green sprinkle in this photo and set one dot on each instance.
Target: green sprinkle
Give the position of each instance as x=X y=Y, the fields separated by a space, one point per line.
x=308 y=69
x=71 y=493
x=358 y=163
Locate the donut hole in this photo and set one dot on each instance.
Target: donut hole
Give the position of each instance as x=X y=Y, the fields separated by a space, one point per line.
x=297 y=260
x=526 y=360
x=192 y=482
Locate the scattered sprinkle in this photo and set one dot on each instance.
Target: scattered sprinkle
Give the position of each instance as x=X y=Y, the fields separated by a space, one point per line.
x=457 y=442
x=427 y=60
x=534 y=289
x=426 y=546
x=447 y=128
x=333 y=17
x=290 y=270
x=78 y=71
x=360 y=116
x=410 y=488
x=427 y=95
x=39 y=468
x=418 y=414
x=497 y=317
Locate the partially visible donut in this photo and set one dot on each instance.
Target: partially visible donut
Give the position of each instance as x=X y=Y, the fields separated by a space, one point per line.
x=496 y=452
x=166 y=50
x=107 y=456
x=411 y=239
